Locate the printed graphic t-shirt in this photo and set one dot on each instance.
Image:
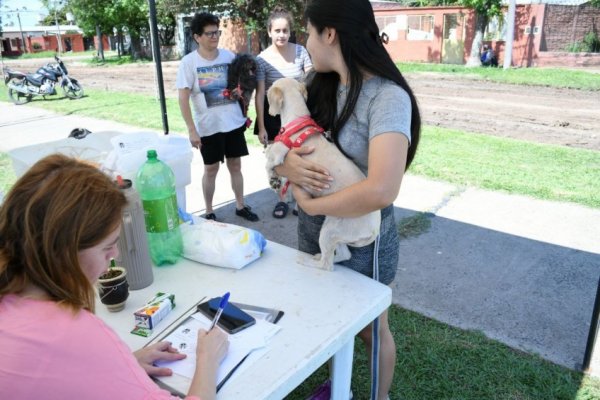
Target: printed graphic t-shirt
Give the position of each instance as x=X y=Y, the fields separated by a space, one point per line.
x=207 y=79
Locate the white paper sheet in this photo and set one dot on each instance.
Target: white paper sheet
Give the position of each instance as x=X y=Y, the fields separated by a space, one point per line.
x=241 y=344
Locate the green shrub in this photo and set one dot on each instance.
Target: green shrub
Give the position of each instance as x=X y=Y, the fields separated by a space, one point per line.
x=36 y=46
x=591 y=42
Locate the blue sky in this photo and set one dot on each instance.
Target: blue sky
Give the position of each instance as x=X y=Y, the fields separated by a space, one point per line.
x=29 y=17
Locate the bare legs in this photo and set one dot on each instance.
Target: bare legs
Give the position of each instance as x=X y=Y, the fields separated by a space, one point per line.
x=208 y=185
x=387 y=353
x=234 y=165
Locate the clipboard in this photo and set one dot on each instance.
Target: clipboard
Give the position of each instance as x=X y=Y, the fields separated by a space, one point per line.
x=179 y=384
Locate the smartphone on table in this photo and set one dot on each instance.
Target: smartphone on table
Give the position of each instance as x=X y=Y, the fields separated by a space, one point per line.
x=232 y=320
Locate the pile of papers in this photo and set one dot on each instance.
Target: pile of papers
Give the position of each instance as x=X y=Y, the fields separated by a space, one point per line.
x=241 y=345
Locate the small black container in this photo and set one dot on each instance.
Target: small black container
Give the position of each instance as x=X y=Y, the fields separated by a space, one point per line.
x=114 y=289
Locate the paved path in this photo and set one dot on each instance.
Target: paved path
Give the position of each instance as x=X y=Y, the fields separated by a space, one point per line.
x=523 y=271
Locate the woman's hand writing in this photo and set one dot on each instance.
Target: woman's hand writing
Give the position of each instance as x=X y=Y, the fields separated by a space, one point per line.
x=212 y=347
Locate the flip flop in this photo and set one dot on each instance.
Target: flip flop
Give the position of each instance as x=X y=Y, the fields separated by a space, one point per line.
x=280 y=210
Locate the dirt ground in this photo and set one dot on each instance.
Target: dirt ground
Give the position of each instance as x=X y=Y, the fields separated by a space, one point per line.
x=567 y=117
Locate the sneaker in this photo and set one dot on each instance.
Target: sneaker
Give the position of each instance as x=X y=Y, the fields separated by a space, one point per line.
x=211 y=216
x=247 y=214
x=323 y=392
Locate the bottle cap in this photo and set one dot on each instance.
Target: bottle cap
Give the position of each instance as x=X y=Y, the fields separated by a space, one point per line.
x=151 y=153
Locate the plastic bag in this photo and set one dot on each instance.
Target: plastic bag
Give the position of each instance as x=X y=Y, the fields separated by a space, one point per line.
x=221 y=244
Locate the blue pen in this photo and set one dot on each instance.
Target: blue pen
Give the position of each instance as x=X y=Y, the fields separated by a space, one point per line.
x=222 y=306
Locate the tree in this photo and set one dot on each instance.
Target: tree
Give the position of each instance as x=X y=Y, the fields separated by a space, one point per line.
x=166 y=24
x=252 y=13
x=104 y=15
x=61 y=15
x=132 y=14
x=484 y=10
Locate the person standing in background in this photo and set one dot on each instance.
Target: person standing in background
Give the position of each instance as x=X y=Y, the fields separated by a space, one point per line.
x=281 y=59
x=217 y=125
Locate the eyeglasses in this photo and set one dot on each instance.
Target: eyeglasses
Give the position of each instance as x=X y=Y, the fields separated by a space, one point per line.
x=212 y=34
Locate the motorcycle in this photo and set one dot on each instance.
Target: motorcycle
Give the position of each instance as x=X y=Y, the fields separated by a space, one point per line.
x=22 y=87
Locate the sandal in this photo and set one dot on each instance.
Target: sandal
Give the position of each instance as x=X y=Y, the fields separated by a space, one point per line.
x=280 y=210
x=247 y=214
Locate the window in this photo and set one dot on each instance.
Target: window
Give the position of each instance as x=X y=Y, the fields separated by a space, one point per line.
x=391 y=24
x=420 y=27
x=496 y=29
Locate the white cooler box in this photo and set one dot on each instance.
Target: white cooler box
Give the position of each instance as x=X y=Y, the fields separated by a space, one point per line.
x=117 y=153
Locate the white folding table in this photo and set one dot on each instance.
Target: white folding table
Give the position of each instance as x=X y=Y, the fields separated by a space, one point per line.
x=323 y=313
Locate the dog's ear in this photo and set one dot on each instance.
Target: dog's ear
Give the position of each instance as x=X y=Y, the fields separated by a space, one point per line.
x=302 y=89
x=275 y=97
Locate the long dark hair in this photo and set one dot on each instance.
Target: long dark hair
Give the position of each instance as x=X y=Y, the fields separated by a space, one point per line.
x=363 y=50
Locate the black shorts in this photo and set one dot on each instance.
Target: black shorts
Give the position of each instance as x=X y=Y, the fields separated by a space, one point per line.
x=272 y=123
x=224 y=144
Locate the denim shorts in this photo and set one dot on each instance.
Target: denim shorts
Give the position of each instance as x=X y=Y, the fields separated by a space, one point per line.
x=362 y=257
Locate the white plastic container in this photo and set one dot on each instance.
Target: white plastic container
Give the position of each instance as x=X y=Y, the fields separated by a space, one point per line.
x=95 y=147
x=129 y=153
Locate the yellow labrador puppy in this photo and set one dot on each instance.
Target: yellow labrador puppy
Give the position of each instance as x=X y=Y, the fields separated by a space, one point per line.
x=287 y=97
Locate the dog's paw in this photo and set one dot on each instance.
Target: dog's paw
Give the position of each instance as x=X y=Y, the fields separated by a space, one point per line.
x=315 y=261
x=275 y=182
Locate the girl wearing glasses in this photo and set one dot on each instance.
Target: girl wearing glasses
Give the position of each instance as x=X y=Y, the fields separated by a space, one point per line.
x=281 y=59
x=216 y=125
x=357 y=93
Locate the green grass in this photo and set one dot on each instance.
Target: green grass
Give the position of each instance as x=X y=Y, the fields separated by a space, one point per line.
x=133 y=109
x=543 y=171
x=7 y=177
x=554 y=77
x=114 y=59
x=436 y=361
x=50 y=54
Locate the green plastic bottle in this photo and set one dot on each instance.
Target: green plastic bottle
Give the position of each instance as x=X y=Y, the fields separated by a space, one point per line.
x=156 y=185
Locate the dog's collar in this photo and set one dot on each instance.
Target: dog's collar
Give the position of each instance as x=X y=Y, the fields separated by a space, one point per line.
x=293 y=127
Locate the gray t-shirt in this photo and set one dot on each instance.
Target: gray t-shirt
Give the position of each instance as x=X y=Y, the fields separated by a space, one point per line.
x=269 y=73
x=382 y=107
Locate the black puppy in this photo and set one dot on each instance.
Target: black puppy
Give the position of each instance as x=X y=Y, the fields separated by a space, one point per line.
x=241 y=80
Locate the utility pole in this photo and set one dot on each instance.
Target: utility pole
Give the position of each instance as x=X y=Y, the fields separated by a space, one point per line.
x=22 y=35
x=510 y=34
x=60 y=49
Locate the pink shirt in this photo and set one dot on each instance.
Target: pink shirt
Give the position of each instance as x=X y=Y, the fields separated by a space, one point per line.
x=46 y=352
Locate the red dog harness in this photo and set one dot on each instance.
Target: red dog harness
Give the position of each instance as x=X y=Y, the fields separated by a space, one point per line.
x=292 y=128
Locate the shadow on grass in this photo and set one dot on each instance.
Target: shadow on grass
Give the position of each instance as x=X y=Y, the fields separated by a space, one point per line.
x=486 y=288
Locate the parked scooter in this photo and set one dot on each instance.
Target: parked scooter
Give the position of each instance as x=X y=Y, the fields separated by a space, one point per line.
x=22 y=87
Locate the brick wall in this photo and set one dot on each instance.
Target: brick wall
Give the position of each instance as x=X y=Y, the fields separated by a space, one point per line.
x=564 y=25
x=563 y=59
